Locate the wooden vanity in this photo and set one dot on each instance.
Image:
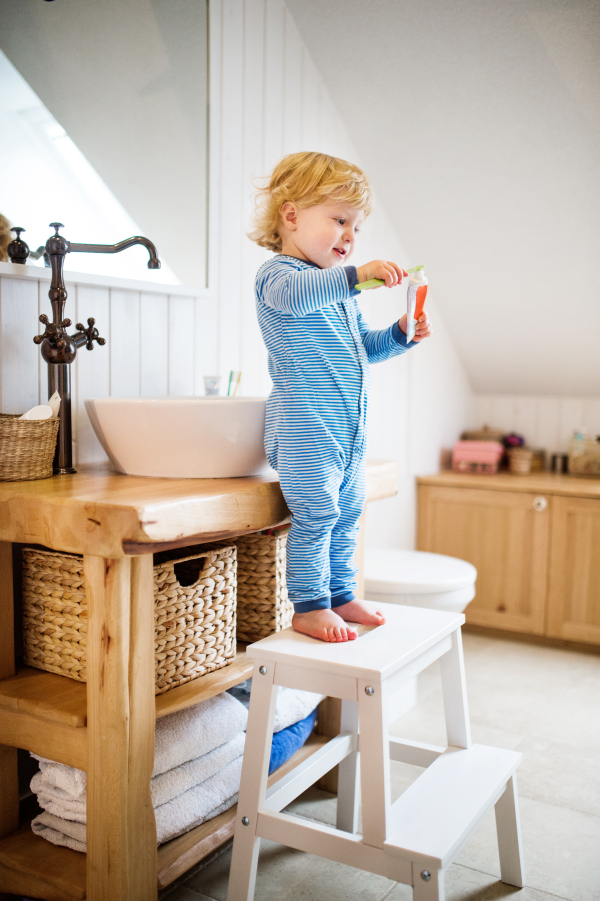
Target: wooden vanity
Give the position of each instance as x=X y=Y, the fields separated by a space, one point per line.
x=535 y=541
x=107 y=726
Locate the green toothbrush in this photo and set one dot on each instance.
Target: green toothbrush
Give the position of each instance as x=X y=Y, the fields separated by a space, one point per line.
x=376 y=282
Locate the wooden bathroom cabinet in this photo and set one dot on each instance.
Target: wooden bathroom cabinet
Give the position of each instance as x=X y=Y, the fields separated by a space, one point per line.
x=535 y=541
x=106 y=727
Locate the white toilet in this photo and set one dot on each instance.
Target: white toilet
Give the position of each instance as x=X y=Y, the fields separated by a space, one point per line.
x=417 y=579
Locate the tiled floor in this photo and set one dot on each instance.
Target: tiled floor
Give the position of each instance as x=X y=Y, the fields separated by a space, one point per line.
x=541 y=701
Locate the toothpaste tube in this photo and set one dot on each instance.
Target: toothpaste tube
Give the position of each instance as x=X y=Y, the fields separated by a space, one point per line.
x=415 y=299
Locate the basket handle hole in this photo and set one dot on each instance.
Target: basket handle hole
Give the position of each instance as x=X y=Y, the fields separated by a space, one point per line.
x=188 y=571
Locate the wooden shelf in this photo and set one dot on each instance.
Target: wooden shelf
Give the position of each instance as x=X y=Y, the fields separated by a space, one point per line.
x=206 y=686
x=29 y=865
x=63 y=701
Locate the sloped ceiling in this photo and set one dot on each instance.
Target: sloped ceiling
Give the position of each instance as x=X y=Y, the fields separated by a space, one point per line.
x=478 y=122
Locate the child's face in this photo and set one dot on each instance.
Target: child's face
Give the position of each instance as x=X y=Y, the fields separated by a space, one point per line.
x=323 y=234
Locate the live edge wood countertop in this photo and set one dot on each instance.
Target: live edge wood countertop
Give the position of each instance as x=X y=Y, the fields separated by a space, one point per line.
x=99 y=512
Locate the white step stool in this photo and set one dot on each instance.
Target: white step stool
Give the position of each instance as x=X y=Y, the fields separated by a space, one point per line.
x=415 y=839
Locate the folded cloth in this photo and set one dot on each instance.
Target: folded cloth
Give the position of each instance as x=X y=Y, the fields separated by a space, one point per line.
x=177 y=816
x=287 y=741
x=62 y=789
x=293 y=704
x=193 y=732
x=59 y=831
x=67 y=781
x=194 y=806
x=73 y=835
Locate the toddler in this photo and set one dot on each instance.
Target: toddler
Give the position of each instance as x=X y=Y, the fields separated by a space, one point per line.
x=320 y=348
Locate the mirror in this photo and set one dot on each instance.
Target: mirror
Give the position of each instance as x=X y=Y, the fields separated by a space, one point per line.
x=104 y=111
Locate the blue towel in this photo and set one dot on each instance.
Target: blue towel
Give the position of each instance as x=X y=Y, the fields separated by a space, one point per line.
x=288 y=741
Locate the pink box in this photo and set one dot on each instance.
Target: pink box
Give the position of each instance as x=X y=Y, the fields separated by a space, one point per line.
x=477 y=456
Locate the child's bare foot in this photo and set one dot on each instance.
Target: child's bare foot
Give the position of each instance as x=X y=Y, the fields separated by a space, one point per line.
x=361 y=612
x=323 y=624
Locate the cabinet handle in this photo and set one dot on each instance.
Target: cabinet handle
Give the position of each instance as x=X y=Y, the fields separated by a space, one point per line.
x=539 y=504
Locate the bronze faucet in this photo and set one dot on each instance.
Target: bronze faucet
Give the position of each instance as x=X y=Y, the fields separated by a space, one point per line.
x=58 y=348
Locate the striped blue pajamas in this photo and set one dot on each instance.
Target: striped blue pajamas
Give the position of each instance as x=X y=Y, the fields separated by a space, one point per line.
x=319 y=349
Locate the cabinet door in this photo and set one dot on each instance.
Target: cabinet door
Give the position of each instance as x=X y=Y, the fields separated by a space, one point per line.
x=574 y=597
x=504 y=534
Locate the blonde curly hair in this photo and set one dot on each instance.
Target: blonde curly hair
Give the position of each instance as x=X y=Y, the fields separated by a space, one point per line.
x=306 y=179
x=5 y=238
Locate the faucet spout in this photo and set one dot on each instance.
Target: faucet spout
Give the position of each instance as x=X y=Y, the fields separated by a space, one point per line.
x=153 y=262
x=59 y=349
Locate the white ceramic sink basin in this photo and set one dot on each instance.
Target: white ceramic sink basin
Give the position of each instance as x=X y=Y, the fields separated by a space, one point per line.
x=182 y=437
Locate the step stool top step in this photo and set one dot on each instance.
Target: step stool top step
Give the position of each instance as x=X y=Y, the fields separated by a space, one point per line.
x=435 y=816
x=376 y=654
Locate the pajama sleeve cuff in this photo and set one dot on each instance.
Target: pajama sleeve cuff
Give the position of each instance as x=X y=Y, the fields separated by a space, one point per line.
x=352 y=277
x=399 y=336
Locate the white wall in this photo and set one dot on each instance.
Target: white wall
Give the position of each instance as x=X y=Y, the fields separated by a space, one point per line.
x=545 y=421
x=269 y=101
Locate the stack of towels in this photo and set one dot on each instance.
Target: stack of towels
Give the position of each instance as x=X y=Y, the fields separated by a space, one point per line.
x=197 y=768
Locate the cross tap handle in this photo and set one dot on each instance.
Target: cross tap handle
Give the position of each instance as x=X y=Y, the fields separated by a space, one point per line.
x=90 y=333
x=52 y=332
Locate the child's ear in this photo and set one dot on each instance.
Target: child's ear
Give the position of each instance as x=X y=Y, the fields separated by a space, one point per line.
x=289 y=215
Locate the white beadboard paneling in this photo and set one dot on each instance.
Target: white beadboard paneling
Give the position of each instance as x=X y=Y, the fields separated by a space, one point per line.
x=591 y=415
x=205 y=349
x=154 y=344
x=124 y=343
x=546 y=421
x=502 y=413
x=252 y=350
x=181 y=346
x=570 y=417
x=91 y=371
x=546 y=424
x=481 y=411
x=20 y=357
x=273 y=82
x=310 y=104
x=292 y=86
x=524 y=418
x=231 y=227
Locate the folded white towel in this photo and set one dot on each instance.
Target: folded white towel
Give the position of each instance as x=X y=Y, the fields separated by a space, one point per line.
x=194 y=806
x=65 y=786
x=65 y=781
x=193 y=732
x=185 y=735
x=177 y=816
x=60 y=832
x=63 y=832
x=294 y=705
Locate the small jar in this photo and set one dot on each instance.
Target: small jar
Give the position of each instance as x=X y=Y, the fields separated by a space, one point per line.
x=520 y=460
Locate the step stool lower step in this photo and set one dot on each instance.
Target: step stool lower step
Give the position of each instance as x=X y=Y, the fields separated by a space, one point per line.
x=437 y=814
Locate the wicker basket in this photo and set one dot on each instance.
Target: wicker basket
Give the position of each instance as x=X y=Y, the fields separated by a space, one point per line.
x=26 y=447
x=263 y=606
x=194 y=614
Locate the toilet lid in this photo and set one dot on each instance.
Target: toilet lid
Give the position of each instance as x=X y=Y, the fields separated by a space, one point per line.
x=415 y=572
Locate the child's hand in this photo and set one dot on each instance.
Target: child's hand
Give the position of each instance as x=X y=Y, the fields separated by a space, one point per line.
x=390 y=272
x=423 y=329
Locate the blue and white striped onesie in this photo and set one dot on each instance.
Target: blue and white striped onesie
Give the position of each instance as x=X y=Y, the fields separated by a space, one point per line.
x=319 y=348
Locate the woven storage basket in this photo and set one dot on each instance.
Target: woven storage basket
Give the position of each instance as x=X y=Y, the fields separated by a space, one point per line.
x=262 y=606
x=194 y=614
x=26 y=447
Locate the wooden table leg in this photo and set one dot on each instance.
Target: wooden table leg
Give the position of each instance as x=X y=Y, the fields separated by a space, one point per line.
x=121 y=833
x=9 y=780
